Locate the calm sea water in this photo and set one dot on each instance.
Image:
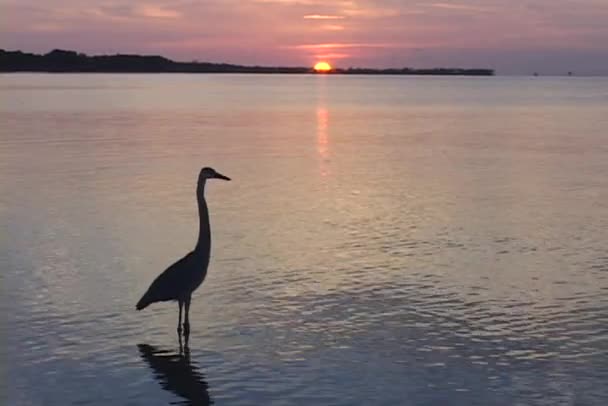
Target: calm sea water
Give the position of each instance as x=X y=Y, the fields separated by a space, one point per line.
x=385 y=240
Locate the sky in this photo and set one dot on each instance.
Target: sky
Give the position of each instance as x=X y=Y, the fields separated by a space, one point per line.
x=513 y=37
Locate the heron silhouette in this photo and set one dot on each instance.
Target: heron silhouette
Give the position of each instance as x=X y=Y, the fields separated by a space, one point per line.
x=183 y=277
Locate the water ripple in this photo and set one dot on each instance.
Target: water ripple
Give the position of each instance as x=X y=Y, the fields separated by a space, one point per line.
x=421 y=253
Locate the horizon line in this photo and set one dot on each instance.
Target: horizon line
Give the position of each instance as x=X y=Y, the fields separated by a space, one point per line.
x=335 y=68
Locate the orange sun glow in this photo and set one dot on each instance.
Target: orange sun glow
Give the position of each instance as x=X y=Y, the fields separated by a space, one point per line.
x=322 y=67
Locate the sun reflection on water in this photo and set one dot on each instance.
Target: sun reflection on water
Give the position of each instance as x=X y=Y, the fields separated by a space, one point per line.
x=323 y=130
x=322 y=133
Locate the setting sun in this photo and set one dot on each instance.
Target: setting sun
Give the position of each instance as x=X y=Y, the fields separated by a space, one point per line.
x=322 y=67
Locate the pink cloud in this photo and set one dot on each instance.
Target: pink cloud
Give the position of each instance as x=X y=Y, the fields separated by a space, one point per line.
x=372 y=12
x=459 y=7
x=344 y=45
x=333 y=27
x=157 y=12
x=322 y=17
x=334 y=55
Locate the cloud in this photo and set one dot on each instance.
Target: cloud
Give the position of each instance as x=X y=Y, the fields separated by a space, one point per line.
x=371 y=12
x=332 y=27
x=157 y=12
x=330 y=3
x=47 y=27
x=459 y=7
x=322 y=17
x=344 y=45
x=333 y=55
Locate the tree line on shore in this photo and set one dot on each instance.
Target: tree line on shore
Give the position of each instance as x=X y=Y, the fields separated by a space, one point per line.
x=62 y=61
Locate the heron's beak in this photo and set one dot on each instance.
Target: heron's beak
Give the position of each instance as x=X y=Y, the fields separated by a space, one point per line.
x=220 y=176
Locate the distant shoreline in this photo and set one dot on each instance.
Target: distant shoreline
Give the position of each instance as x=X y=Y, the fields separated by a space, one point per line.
x=62 y=61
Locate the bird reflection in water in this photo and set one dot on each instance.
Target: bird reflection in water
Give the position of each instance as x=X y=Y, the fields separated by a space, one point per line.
x=177 y=374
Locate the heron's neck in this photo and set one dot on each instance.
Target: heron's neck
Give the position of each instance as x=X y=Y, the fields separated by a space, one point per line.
x=204 y=231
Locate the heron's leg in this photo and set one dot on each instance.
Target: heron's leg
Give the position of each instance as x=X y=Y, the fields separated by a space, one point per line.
x=179 y=320
x=186 y=318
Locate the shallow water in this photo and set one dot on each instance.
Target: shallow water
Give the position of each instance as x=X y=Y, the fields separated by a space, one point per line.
x=385 y=240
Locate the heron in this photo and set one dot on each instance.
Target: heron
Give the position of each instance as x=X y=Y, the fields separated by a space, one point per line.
x=182 y=278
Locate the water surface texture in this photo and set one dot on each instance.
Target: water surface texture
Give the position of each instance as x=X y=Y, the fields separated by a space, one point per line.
x=384 y=241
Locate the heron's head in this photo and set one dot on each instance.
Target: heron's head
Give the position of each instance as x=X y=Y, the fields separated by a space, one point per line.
x=210 y=173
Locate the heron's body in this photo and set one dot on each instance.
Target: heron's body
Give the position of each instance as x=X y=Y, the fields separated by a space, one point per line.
x=183 y=277
x=178 y=281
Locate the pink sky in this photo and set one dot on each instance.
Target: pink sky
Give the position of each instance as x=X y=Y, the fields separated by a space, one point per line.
x=517 y=36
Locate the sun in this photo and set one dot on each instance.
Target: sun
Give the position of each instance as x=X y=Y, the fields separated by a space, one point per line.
x=322 y=67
